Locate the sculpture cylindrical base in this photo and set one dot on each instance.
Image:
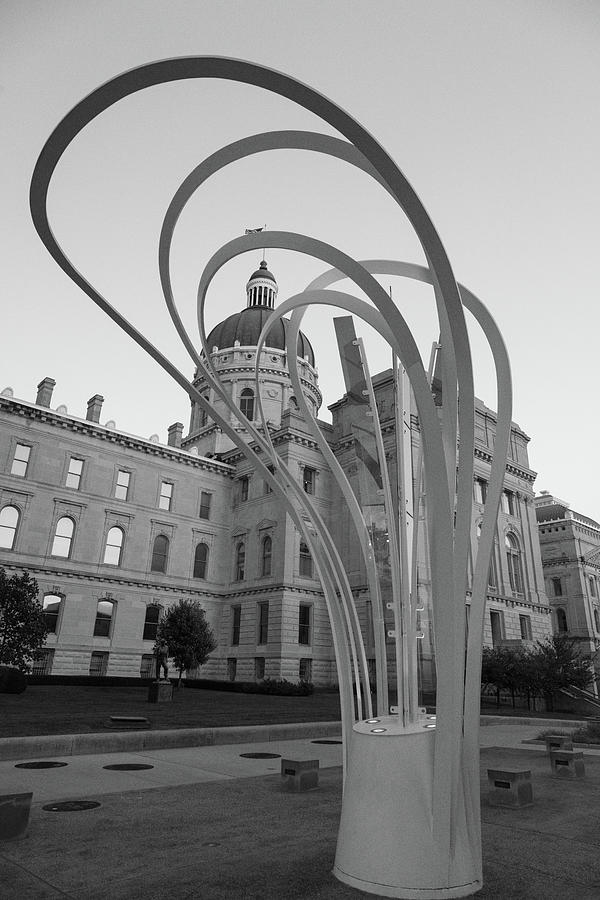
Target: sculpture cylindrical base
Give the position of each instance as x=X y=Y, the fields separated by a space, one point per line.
x=386 y=842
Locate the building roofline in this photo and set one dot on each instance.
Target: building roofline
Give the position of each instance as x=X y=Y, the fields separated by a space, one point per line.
x=102 y=432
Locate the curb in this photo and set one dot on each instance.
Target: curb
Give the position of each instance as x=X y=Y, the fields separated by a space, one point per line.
x=49 y=745
x=532 y=720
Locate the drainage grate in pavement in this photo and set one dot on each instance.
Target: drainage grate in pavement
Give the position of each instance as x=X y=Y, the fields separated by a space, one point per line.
x=325 y=741
x=261 y=755
x=128 y=767
x=71 y=806
x=40 y=764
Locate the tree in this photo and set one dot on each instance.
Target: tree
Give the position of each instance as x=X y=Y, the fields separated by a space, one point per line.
x=558 y=663
x=503 y=668
x=22 y=622
x=188 y=634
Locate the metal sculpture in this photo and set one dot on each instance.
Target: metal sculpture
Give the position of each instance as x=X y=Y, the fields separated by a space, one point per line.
x=410 y=816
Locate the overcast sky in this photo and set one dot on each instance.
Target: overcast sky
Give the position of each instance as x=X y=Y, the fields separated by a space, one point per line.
x=490 y=108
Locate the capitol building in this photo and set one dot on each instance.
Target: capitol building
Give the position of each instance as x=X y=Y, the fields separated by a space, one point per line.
x=116 y=528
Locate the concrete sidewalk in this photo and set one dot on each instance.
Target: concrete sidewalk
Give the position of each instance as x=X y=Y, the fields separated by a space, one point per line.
x=208 y=824
x=85 y=775
x=58 y=745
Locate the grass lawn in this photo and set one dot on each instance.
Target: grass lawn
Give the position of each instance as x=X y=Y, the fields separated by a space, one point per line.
x=77 y=709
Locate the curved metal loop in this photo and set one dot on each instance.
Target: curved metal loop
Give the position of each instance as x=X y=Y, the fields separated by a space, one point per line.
x=454 y=335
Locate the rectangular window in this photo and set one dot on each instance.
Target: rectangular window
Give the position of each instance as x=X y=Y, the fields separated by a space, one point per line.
x=122 y=484
x=20 y=460
x=305 y=670
x=151 y=621
x=166 y=495
x=492 y=572
x=480 y=487
x=304 y=623
x=244 y=483
x=508 y=503
x=267 y=487
x=497 y=623
x=308 y=480
x=147 y=665
x=259 y=668
x=236 y=617
x=51 y=607
x=263 y=623
x=205 y=499
x=42 y=663
x=525 y=625
x=74 y=473
x=557 y=587
x=98 y=663
x=231 y=668
x=104 y=614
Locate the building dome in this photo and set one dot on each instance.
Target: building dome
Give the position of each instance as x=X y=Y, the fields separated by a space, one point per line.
x=246 y=326
x=262 y=272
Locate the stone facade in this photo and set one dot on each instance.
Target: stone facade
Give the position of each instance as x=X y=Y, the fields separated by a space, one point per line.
x=116 y=528
x=570 y=546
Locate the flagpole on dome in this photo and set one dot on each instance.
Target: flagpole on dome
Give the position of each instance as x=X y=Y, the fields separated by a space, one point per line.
x=256 y=231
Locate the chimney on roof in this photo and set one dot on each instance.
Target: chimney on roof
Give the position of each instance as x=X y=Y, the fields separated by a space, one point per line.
x=175 y=432
x=94 y=408
x=44 y=394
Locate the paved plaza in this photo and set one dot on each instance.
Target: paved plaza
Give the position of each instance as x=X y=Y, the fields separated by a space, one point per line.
x=205 y=823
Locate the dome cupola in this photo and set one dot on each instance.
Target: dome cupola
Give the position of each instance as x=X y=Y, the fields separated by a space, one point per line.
x=243 y=328
x=261 y=289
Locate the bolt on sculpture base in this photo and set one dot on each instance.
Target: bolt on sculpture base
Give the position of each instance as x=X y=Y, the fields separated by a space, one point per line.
x=386 y=842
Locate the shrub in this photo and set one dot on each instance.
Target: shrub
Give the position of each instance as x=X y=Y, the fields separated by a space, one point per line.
x=12 y=681
x=551 y=732
x=588 y=734
x=282 y=687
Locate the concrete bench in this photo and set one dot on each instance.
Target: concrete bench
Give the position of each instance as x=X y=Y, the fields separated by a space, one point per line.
x=567 y=763
x=558 y=742
x=300 y=774
x=510 y=787
x=14 y=814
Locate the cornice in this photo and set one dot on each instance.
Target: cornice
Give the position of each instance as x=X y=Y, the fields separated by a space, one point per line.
x=270 y=589
x=47 y=572
x=99 y=432
x=512 y=467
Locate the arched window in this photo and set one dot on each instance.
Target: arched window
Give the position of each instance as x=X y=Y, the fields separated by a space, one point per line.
x=114 y=546
x=160 y=551
x=247 y=403
x=515 y=566
x=51 y=607
x=104 y=614
x=240 y=561
x=267 y=555
x=492 y=573
x=596 y=619
x=592 y=586
x=9 y=519
x=561 y=620
x=63 y=537
x=200 y=560
x=306 y=563
x=151 y=622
